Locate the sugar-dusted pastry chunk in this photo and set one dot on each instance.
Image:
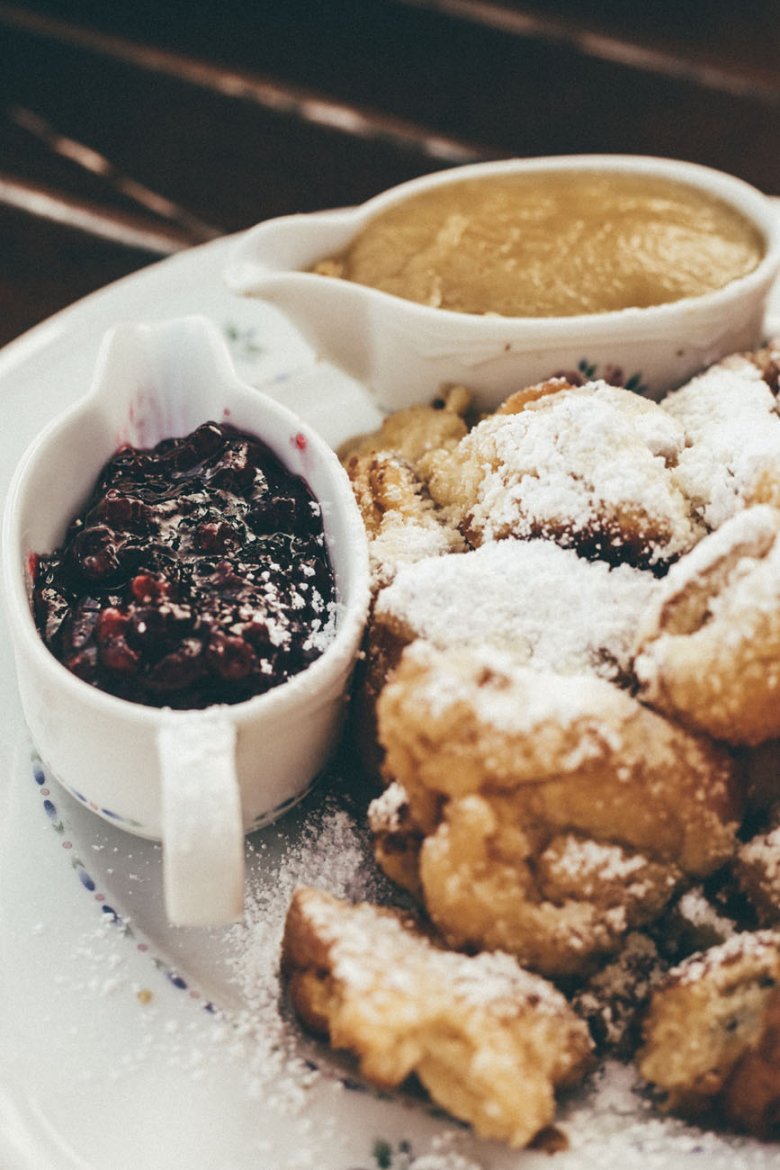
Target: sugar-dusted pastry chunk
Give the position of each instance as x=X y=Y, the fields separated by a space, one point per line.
x=712 y=1034
x=547 y=605
x=591 y=467
x=551 y=608
x=489 y=1041
x=708 y=651
x=732 y=453
x=402 y=523
x=555 y=813
x=397 y=837
x=388 y=469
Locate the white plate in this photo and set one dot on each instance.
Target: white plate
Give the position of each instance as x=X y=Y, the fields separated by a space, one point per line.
x=111 y=1057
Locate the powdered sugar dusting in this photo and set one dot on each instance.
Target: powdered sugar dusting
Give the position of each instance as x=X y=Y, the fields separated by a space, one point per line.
x=602 y=859
x=550 y=607
x=730 y=418
x=405 y=542
x=519 y=701
x=695 y=908
x=254 y=945
x=366 y=945
x=573 y=458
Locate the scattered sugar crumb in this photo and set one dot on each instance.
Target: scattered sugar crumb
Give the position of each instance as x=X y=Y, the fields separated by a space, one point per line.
x=700 y=912
x=611 y=1122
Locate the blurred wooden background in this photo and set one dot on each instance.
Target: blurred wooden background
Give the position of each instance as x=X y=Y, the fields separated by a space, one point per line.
x=130 y=129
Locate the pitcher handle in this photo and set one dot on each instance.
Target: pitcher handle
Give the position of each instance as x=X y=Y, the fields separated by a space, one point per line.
x=202 y=824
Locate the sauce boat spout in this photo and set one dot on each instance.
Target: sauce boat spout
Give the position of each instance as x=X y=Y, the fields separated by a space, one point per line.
x=289 y=245
x=274 y=263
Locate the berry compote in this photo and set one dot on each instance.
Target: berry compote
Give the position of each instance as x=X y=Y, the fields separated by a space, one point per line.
x=197 y=573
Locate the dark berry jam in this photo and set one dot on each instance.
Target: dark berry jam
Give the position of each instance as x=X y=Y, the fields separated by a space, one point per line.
x=197 y=573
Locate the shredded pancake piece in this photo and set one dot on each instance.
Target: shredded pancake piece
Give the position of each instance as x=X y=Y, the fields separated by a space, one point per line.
x=712 y=1035
x=388 y=473
x=708 y=652
x=488 y=1040
x=415 y=432
x=614 y=999
x=554 y=813
x=591 y=467
x=732 y=454
x=402 y=523
x=547 y=606
x=397 y=837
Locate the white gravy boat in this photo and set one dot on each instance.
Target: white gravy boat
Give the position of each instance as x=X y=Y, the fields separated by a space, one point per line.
x=403 y=351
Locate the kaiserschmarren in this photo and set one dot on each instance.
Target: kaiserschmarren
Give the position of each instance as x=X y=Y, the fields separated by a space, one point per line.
x=570 y=703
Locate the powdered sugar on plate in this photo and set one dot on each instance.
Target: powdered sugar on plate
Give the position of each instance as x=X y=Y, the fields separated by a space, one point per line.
x=617 y=1123
x=328 y=852
x=282 y=1075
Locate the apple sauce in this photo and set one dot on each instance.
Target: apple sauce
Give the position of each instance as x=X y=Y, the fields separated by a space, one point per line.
x=552 y=244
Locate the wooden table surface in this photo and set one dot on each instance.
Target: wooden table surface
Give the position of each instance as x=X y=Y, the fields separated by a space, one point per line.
x=130 y=129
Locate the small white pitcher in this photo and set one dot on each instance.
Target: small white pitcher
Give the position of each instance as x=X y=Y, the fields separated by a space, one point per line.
x=197 y=780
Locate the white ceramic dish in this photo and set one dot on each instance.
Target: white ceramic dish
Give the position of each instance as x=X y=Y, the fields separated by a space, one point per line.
x=108 y=1060
x=195 y=779
x=403 y=351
